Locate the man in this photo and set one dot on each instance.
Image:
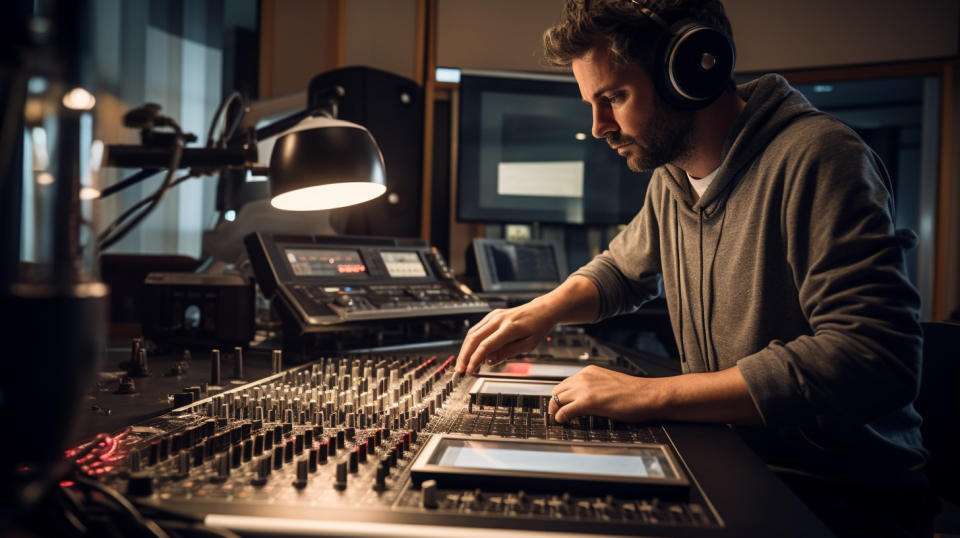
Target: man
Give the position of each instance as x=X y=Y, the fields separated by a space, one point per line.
x=770 y=225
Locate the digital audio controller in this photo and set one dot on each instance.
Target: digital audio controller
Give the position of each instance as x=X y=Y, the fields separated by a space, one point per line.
x=397 y=444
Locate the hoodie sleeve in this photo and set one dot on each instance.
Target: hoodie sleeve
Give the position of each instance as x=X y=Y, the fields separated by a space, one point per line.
x=627 y=274
x=862 y=358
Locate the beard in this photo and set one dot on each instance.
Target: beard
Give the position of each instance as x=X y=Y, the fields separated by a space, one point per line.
x=666 y=138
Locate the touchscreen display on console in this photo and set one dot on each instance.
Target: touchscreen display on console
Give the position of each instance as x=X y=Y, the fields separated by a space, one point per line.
x=520 y=389
x=636 y=462
x=514 y=368
x=403 y=264
x=460 y=461
x=325 y=262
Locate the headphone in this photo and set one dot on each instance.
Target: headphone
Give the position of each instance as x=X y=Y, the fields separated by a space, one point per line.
x=693 y=61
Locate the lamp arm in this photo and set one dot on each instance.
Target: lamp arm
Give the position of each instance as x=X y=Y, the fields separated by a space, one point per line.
x=325 y=103
x=281 y=125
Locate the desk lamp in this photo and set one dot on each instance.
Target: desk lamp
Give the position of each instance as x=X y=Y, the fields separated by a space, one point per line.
x=315 y=161
x=323 y=163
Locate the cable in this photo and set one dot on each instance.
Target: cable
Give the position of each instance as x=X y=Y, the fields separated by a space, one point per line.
x=125 y=505
x=134 y=179
x=222 y=109
x=126 y=214
x=106 y=243
x=71 y=511
x=106 y=240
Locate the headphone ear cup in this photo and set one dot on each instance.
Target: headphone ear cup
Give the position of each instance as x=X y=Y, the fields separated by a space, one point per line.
x=696 y=62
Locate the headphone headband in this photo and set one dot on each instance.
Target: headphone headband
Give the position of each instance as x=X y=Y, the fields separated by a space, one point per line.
x=652 y=15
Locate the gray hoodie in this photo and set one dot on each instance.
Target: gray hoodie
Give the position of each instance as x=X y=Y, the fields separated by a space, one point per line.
x=790 y=268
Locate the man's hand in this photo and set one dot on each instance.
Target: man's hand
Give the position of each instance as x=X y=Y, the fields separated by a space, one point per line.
x=703 y=397
x=502 y=334
x=606 y=393
x=505 y=333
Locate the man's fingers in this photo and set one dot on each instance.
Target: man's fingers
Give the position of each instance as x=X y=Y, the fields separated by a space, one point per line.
x=516 y=347
x=552 y=406
x=475 y=336
x=503 y=336
x=570 y=410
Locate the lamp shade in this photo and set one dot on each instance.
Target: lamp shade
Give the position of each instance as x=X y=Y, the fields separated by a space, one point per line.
x=322 y=163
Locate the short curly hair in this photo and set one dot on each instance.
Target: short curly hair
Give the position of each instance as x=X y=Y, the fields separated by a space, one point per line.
x=623 y=28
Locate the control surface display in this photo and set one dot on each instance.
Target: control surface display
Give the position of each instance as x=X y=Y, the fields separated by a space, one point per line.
x=403 y=264
x=553 y=458
x=489 y=386
x=536 y=369
x=325 y=262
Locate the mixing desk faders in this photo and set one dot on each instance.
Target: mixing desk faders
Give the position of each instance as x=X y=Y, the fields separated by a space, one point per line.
x=396 y=444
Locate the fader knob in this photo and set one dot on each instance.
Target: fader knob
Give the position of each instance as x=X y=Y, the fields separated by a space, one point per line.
x=140 y=485
x=238 y=362
x=223 y=470
x=183 y=464
x=278 y=457
x=126 y=386
x=135 y=461
x=381 y=480
x=431 y=495
x=312 y=457
x=276 y=362
x=215 y=367
x=141 y=367
x=340 y=482
x=263 y=471
x=302 y=470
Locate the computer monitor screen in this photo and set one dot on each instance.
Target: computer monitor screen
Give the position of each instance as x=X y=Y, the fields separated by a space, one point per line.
x=526 y=155
x=519 y=265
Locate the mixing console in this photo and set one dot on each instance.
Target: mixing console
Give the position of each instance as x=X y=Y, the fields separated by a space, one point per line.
x=330 y=446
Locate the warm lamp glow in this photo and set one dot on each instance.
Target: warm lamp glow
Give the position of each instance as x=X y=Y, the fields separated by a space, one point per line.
x=89 y=193
x=327 y=196
x=79 y=99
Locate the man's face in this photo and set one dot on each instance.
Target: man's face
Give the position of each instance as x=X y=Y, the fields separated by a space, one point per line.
x=629 y=114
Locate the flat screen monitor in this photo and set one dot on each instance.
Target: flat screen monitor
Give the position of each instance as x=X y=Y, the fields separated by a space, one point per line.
x=521 y=266
x=526 y=155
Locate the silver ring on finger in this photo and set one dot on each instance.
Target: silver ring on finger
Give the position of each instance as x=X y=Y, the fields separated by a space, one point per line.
x=556 y=400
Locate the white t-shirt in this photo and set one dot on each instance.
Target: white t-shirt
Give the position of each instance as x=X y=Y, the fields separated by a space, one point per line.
x=700 y=185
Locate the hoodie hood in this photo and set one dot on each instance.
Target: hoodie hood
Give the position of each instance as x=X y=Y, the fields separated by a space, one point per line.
x=771 y=105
